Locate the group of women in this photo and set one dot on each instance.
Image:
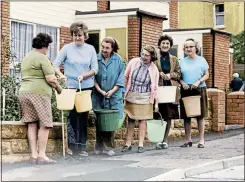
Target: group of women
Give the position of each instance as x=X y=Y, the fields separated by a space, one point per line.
x=133 y=90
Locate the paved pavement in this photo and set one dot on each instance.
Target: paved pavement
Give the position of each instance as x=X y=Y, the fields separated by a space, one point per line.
x=235 y=173
x=131 y=166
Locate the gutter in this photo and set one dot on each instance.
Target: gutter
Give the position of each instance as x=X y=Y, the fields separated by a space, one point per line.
x=213 y=58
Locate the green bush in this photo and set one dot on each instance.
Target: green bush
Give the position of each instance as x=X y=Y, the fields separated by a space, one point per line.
x=238 y=45
x=11 y=86
x=12 y=109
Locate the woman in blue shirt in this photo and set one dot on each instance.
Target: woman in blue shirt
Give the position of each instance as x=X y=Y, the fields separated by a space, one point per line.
x=194 y=70
x=80 y=65
x=109 y=84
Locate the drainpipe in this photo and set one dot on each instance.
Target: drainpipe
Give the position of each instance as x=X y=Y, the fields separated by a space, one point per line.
x=140 y=34
x=213 y=57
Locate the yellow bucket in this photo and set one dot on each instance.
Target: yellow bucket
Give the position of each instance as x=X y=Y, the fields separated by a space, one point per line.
x=66 y=99
x=83 y=101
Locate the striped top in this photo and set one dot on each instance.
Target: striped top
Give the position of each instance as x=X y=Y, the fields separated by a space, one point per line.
x=141 y=81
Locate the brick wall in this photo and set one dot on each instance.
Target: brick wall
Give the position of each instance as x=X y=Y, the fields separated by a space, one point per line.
x=151 y=30
x=235 y=108
x=133 y=36
x=222 y=69
x=207 y=54
x=218 y=104
x=103 y=5
x=5 y=36
x=173 y=14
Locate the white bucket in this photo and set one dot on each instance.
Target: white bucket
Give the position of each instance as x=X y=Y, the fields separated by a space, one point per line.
x=167 y=94
x=192 y=105
x=66 y=99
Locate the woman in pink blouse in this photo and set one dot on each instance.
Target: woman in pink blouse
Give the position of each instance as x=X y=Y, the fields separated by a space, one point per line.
x=141 y=84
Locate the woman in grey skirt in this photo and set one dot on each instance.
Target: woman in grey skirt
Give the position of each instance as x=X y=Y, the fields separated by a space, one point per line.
x=194 y=70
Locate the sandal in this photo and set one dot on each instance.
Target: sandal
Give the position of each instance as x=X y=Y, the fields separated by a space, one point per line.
x=83 y=153
x=189 y=144
x=140 y=149
x=42 y=161
x=126 y=148
x=33 y=160
x=69 y=151
x=200 y=145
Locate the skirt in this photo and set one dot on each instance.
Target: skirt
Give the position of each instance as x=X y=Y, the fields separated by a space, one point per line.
x=34 y=107
x=169 y=111
x=139 y=111
x=204 y=101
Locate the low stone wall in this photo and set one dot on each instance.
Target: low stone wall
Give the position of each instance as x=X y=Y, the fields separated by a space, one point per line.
x=235 y=108
x=15 y=145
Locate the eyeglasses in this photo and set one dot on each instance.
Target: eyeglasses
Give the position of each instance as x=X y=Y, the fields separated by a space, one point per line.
x=144 y=55
x=187 y=47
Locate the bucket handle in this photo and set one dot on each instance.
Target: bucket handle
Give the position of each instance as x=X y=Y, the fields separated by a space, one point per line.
x=160 y=116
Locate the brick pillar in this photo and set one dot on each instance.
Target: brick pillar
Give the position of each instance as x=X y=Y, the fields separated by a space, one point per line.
x=207 y=54
x=218 y=109
x=235 y=108
x=174 y=14
x=133 y=36
x=5 y=36
x=151 y=30
x=103 y=5
x=65 y=38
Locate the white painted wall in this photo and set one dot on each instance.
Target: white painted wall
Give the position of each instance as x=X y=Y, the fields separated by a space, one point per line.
x=101 y=22
x=49 y=13
x=180 y=37
x=157 y=7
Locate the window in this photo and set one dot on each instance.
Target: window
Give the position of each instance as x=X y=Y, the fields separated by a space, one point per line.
x=21 y=40
x=174 y=50
x=219 y=15
x=52 y=31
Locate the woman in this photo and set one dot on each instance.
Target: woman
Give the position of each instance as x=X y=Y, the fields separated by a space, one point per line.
x=80 y=65
x=194 y=71
x=38 y=79
x=108 y=90
x=169 y=76
x=141 y=82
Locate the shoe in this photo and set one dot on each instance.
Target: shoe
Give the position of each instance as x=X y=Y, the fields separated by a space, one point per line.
x=140 y=149
x=109 y=152
x=97 y=152
x=83 y=153
x=159 y=146
x=164 y=145
x=33 y=160
x=126 y=148
x=42 y=161
x=69 y=151
x=200 y=145
x=189 y=144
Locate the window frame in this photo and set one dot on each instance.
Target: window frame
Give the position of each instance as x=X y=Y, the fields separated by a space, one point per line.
x=218 y=14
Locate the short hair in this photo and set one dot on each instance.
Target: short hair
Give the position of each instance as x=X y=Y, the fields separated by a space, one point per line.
x=113 y=42
x=165 y=37
x=196 y=44
x=77 y=26
x=41 y=40
x=235 y=75
x=153 y=51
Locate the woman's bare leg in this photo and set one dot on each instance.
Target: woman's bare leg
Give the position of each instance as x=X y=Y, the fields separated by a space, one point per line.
x=142 y=132
x=32 y=138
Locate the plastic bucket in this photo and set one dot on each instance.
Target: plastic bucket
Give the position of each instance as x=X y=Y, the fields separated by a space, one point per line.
x=83 y=101
x=108 y=119
x=156 y=129
x=192 y=105
x=167 y=94
x=66 y=99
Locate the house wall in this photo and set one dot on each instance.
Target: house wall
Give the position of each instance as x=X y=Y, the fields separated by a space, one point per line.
x=55 y=14
x=195 y=14
x=201 y=15
x=157 y=7
x=234 y=17
x=5 y=36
